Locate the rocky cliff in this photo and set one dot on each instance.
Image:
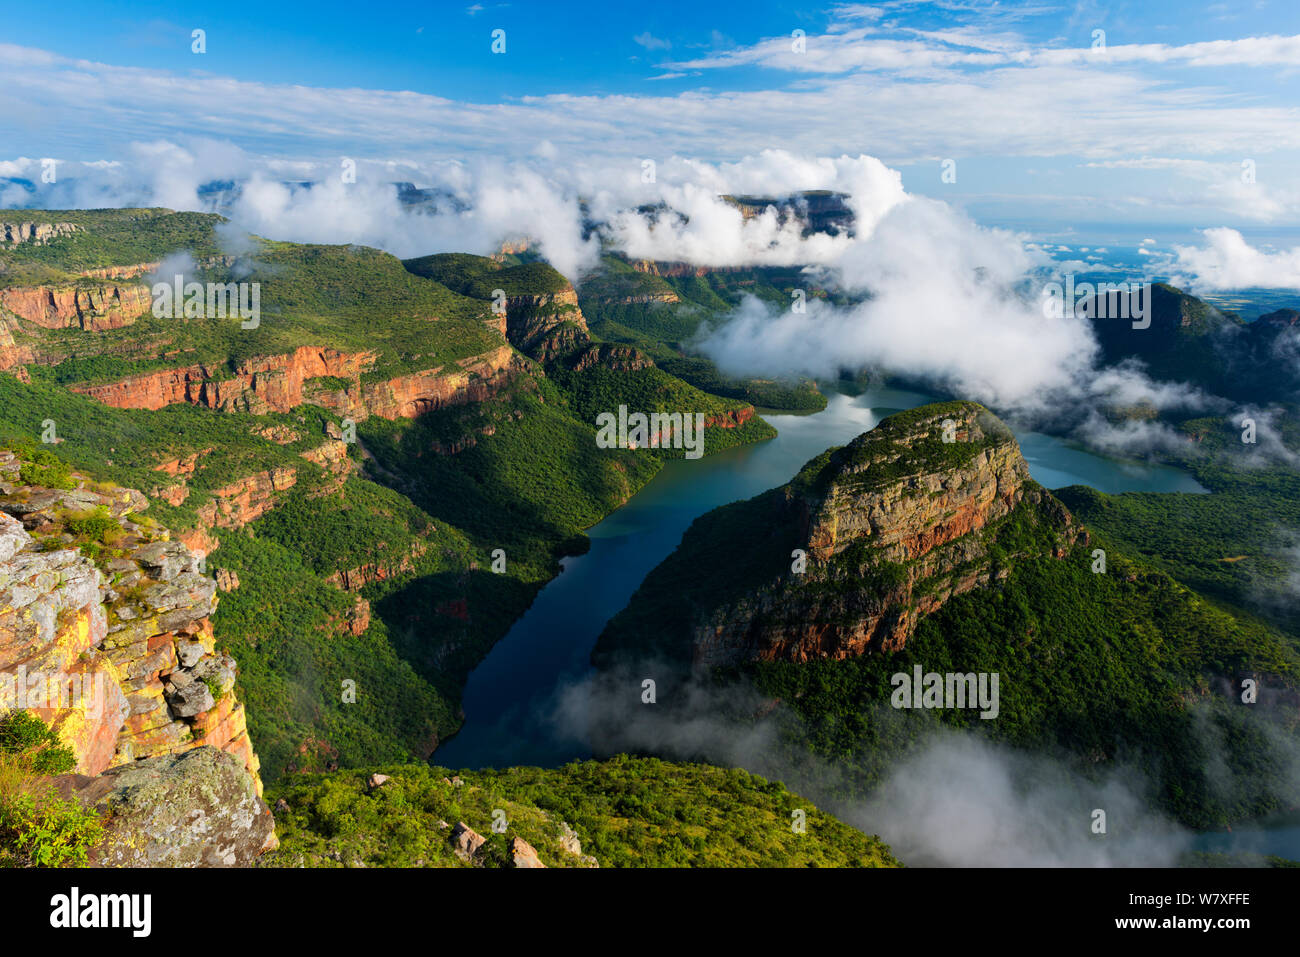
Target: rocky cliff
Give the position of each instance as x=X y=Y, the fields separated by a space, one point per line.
x=92 y=307
x=868 y=539
x=37 y=234
x=11 y=353
x=546 y=325
x=475 y=380
x=110 y=622
x=258 y=385
x=609 y=355
x=280 y=383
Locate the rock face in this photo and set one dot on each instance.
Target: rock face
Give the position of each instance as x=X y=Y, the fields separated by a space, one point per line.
x=546 y=325
x=886 y=489
x=466 y=842
x=354 y=579
x=257 y=385
x=932 y=503
x=610 y=356
x=37 y=234
x=11 y=353
x=280 y=383
x=197 y=809
x=247 y=499
x=93 y=308
x=477 y=379
x=522 y=854
x=674 y=269
x=52 y=625
x=731 y=419
x=121 y=272
x=129 y=639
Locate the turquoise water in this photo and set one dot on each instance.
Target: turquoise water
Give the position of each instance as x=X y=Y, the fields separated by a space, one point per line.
x=513 y=691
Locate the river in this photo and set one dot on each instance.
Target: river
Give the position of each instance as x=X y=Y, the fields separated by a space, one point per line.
x=511 y=693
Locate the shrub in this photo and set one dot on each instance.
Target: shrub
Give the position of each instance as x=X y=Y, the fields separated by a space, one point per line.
x=38 y=828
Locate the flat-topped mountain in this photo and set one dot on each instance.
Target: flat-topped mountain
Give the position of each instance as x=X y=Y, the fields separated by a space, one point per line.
x=864 y=542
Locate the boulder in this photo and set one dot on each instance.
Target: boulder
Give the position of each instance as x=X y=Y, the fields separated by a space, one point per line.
x=466 y=842
x=522 y=854
x=188 y=700
x=195 y=809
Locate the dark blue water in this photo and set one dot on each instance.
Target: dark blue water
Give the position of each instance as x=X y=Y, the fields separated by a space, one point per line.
x=536 y=671
x=1280 y=836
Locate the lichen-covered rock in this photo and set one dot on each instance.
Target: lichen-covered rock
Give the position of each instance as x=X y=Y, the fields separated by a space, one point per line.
x=196 y=809
x=190 y=699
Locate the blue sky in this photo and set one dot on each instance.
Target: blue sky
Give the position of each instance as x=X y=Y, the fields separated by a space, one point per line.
x=578 y=47
x=1044 y=131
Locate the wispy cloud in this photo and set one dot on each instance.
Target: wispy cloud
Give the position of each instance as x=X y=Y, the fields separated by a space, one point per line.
x=651 y=42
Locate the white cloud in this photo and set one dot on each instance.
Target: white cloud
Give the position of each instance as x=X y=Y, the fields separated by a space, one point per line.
x=862 y=48
x=81 y=108
x=943 y=306
x=1227 y=261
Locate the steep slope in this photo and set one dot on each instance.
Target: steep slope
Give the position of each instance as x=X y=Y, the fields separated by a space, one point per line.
x=536 y=307
x=1190 y=340
x=106 y=636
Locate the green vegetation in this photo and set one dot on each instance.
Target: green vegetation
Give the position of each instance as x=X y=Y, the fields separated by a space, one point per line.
x=519 y=471
x=107 y=237
x=349 y=298
x=627 y=812
x=1234 y=545
x=529 y=487
x=593 y=391
x=124 y=446
x=37 y=827
x=295 y=666
x=478 y=276
x=41 y=468
x=780 y=396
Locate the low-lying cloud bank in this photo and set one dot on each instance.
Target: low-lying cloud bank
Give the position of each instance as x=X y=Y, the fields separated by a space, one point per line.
x=954 y=800
x=939 y=297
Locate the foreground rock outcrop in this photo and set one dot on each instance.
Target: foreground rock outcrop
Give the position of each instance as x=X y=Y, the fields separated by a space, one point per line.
x=116 y=651
x=106 y=636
